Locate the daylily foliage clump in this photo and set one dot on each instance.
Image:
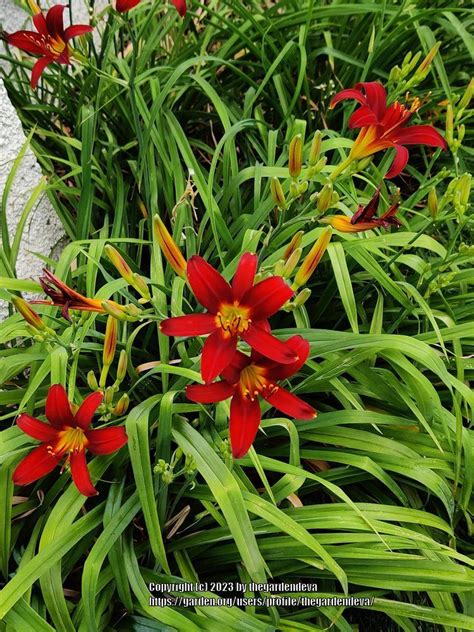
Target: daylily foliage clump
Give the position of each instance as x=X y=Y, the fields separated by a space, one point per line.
x=251 y=362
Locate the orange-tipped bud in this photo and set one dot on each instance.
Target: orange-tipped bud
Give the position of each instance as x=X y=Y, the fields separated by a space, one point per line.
x=110 y=341
x=325 y=198
x=28 y=313
x=427 y=61
x=141 y=287
x=293 y=245
x=115 y=310
x=295 y=156
x=169 y=247
x=119 y=263
x=278 y=196
x=291 y=263
x=312 y=259
x=122 y=366
x=315 y=149
x=122 y=405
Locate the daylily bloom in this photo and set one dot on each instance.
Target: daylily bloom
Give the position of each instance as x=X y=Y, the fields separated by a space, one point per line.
x=383 y=126
x=50 y=42
x=65 y=439
x=63 y=296
x=245 y=380
x=234 y=311
x=363 y=219
x=123 y=6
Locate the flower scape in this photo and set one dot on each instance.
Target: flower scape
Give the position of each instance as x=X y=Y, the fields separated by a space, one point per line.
x=240 y=396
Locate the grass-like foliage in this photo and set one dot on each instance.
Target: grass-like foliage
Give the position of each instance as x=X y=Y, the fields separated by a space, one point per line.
x=219 y=124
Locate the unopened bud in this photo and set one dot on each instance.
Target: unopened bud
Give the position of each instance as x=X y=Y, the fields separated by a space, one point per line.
x=292 y=262
x=449 y=124
x=122 y=366
x=110 y=341
x=295 y=156
x=312 y=259
x=370 y=47
x=278 y=195
x=293 y=245
x=461 y=133
x=279 y=267
x=424 y=67
x=169 y=248
x=464 y=188
x=303 y=187
x=117 y=311
x=325 y=198
x=92 y=381
x=28 y=313
x=319 y=166
x=122 y=405
x=294 y=189
x=395 y=74
x=109 y=395
x=364 y=163
x=315 y=149
x=466 y=97
x=302 y=297
x=141 y=286
x=433 y=202
x=119 y=263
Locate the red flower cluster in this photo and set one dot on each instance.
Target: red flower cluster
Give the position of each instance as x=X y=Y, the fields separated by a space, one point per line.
x=50 y=42
x=65 y=439
x=383 y=126
x=240 y=310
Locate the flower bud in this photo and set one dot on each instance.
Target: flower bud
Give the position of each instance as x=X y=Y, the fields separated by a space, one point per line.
x=117 y=311
x=303 y=187
x=319 y=166
x=28 y=313
x=315 y=149
x=109 y=395
x=464 y=188
x=139 y=283
x=294 y=189
x=122 y=405
x=278 y=195
x=449 y=124
x=34 y=8
x=292 y=262
x=119 y=263
x=312 y=259
x=302 y=297
x=92 y=381
x=122 y=366
x=295 y=156
x=278 y=268
x=424 y=67
x=110 y=341
x=395 y=74
x=294 y=243
x=466 y=97
x=325 y=197
x=169 y=248
x=433 y=202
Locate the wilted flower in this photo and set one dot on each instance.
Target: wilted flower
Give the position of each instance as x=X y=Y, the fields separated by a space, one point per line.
x=234 y=311
x=123 y=6
x=383 y=126
x=364 y=218
x=246 y=379
x=66 y=438
x=50 y=42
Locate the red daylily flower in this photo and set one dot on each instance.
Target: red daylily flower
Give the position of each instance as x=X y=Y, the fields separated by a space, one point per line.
x=50 y=42
x=123 y=6
x=383 y=126
x=66 y=437
x=363 y=219
x=64 y=296
x=247 y=378
x=234 y=311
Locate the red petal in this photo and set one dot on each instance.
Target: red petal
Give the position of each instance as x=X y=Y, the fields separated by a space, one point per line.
x=180 y=6
x=362 y=117
x=376 y=97
x=38 y=70
x=58 y=411
x=290 y=404
x=54 y=21
x=106 y=440
x=244 y=275
x=36 y=464
x=367 y=212
x=191 y=325
x=420 y=135
x=36 y=428
x=266 y=298
x=399 y=162
x=80 y=474
x=40 y=23
x=268 y=345
x=126 y=5
x=76 y=30
x=300 y=347
x=87 y=409
x=245 y=418
x=209 y=393
x=231 y=374
x=29 y=41
x=217 y=354
x=349 y=93
x=209 y=287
